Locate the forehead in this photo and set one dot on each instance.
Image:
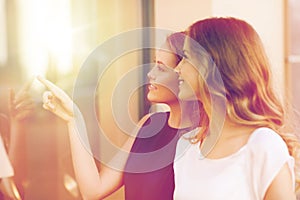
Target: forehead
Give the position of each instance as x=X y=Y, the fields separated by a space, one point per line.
x=194 y=49
x=166 y=56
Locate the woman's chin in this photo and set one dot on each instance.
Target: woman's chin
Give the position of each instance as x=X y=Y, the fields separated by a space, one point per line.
x=181 y=96
x=186 y=97
x=153 y=99
x=150 y=97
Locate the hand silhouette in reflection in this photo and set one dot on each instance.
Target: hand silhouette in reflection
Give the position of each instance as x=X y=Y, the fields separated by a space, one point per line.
x=21 y=106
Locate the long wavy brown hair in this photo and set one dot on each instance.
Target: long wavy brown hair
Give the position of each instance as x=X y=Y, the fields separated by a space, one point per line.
x=239 y=55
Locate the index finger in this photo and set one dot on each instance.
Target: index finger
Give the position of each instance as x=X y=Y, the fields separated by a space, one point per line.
x=53 y=88
x=11 y=97
x=24 y=88
x=46 y=83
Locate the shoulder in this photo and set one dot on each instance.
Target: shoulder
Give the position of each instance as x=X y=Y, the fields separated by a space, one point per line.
x=153 y=118
x=266 y=139
x=268 y=154
x=267 y=150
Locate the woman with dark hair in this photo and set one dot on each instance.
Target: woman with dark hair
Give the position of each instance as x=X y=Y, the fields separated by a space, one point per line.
x=148 y=171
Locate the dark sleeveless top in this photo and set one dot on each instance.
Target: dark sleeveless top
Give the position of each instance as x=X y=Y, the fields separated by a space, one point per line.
x=149 y=172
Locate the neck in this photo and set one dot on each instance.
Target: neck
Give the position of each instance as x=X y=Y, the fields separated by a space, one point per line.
x=225 y=129
x=180 y=116
x=231 y=128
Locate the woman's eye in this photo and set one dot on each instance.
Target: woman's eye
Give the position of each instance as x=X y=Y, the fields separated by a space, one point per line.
x=160 y=68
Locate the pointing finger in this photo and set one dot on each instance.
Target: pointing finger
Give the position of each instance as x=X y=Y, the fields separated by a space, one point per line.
x=56 y=91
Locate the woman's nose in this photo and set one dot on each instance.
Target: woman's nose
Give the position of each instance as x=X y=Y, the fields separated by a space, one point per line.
x=151 y=75
x=177 y=69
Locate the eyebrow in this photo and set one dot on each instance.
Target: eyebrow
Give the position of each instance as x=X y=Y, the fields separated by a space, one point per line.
x=159 y=62
x=162 y=63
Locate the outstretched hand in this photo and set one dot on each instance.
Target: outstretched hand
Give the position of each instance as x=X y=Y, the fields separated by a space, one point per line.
x=21 y=105
x=57 y=101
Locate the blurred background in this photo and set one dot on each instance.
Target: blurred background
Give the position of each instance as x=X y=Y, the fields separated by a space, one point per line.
x=53 y=38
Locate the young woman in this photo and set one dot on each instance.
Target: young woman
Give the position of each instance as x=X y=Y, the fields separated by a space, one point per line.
x=148 y=172
x=252 y=157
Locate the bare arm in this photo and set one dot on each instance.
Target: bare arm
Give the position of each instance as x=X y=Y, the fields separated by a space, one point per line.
x=93 y=185
x=281 y=187
x=21 y=107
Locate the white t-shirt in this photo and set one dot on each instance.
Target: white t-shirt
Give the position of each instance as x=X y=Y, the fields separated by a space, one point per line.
x=244 y=175
x=6 y=169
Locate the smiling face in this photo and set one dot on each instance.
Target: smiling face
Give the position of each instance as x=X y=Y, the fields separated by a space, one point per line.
x=188 y=76
x=163 y=87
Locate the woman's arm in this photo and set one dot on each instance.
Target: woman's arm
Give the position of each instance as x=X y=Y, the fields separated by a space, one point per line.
x=281 y=187
x=93 y=185
x=21 y=107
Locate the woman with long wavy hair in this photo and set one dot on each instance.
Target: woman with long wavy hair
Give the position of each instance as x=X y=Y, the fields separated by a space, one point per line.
x=243 y=149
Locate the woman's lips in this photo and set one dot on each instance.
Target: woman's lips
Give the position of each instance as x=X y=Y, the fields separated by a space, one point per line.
x=180 y=81
x=152 y=87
